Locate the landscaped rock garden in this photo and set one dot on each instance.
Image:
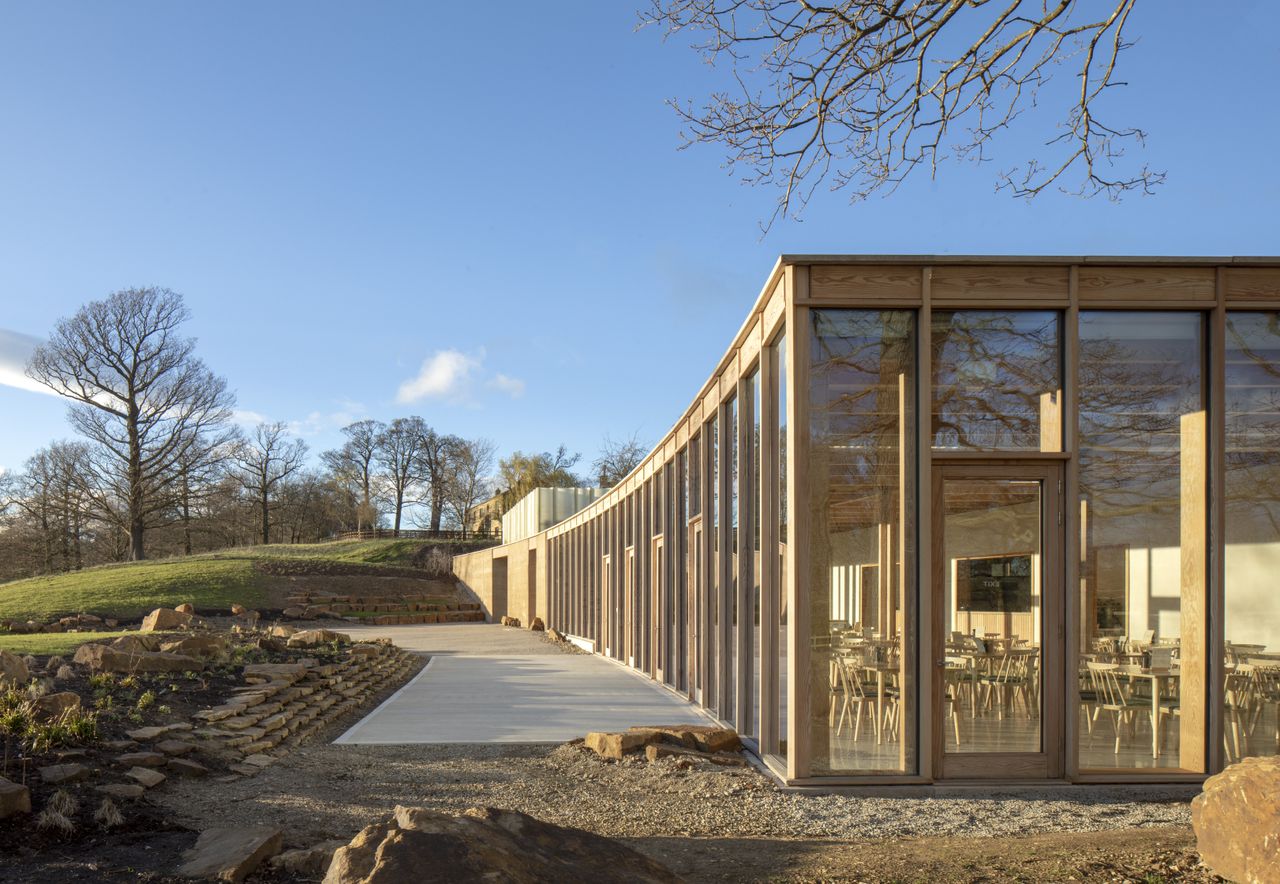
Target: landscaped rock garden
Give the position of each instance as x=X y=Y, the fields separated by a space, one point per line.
x=86 y=738
x=382 y=610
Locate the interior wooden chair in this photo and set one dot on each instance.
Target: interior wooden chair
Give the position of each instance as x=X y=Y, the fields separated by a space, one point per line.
x=1110 y=697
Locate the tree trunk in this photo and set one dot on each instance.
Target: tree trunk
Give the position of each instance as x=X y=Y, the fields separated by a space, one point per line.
x=186 y=512
x=136 y=524
x=266 y=517
x=399 y=507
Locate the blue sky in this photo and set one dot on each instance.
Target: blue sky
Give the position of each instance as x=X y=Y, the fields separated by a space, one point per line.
x=345 y=192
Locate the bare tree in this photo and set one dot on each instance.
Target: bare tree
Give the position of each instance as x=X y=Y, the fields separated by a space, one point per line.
x=521 y=473
x=139 y=394
x=469 y=482
x=862 y=92
x=354 y=464
x=617 y=459
x=265 y=461
x=399 y=454
x=436 y=458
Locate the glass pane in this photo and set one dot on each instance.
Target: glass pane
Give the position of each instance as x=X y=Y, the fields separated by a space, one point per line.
x=992 y=608
x=1252 y=697
x=997 y=380
x=779 y=350
x=861 y=465
x=753 y=459
x=1142 y=492
x=730 y=704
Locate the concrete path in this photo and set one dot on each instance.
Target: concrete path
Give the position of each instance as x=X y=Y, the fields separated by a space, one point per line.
x=491 y=684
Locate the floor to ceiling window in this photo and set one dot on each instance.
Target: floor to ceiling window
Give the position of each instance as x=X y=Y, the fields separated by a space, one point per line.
x=1251 y=698
x=1143 y=484
x=861 y=490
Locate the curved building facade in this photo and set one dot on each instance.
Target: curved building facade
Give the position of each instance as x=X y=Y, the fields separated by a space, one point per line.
x=955 y=518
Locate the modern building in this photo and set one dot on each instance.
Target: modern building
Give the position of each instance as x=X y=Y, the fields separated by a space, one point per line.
x=939 y=519
x=543 y=507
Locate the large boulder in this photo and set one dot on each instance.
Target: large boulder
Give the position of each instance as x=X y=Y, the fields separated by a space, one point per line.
x=212 y=646
x=50 y=706
x=13 y=671
x=485 y=845
x=101 y=658
x=310 y=638
x=1237 y=821
x=137 y=644
x=231 y=853
x=164 y=618
x=14 y=799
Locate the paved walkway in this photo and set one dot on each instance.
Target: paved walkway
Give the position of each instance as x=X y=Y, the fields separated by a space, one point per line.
x=492 y=684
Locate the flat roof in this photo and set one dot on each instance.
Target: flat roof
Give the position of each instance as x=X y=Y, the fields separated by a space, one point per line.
x=1202 y=260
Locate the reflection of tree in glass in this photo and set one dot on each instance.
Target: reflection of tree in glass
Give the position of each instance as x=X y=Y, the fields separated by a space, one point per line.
x=1252 y=426
x=990 y=370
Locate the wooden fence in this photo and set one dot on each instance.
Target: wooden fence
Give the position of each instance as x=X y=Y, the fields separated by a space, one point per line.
x=495 y=534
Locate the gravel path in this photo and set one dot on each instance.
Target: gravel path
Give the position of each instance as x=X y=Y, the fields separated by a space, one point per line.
x=327 y=791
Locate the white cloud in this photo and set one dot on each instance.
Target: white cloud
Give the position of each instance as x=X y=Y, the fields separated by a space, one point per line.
x=513 y=387
x=446 y=375
x=15 y=349
x=247 y=418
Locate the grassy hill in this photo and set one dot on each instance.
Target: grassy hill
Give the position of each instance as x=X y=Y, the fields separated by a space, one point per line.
x=257 y=577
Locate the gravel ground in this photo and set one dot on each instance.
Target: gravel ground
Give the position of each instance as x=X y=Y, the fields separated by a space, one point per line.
x=326 y=791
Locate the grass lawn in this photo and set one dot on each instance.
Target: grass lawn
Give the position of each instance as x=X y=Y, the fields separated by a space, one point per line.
x=52 y=642
x=209 y=581
x=132 y=590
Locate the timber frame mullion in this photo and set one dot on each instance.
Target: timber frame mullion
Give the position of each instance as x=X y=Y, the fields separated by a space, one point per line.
x=1215 y=604
x=800 y=673
x=1073 y=542
x=725 y=583
x=769 y=571
x=925 y=590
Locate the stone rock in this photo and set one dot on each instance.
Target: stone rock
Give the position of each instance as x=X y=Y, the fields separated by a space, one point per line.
x=614 y=746
x=510 y=621
x=231 y=853
x=186 y=767
x=55 y=774
x=122 y=790
x=13 y=672
x=101 y=658
x=483 y=845
x=14 y=799
x=306 y=862
x=556 y=636
x=186 y=608
x=137 y=644
x=175 y=747
x=146 y=776
x=280 y=630
x=146 y=734
x=237 y=610
x=212 y=646
x=258 y=759
x=654 y=751
x=287 y=672
x=537 y=625
x=707 y=738
x=309 y=638
x=294 y=613
x=110 y=622
x=50 y=706
x=1237 y=821
x=88 y=618
x=141 y=759
x=164 y=618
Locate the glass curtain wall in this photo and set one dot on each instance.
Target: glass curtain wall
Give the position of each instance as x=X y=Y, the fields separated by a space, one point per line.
x=729 y=565
x=778 y=352
x=862 y=467
x=1251 y=699
x=1143 y=485
x=752 y=457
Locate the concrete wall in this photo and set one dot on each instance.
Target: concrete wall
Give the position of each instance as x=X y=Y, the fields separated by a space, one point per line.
x=509 y=580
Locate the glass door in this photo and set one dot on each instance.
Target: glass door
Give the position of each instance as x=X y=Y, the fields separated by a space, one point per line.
x=997 y=602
